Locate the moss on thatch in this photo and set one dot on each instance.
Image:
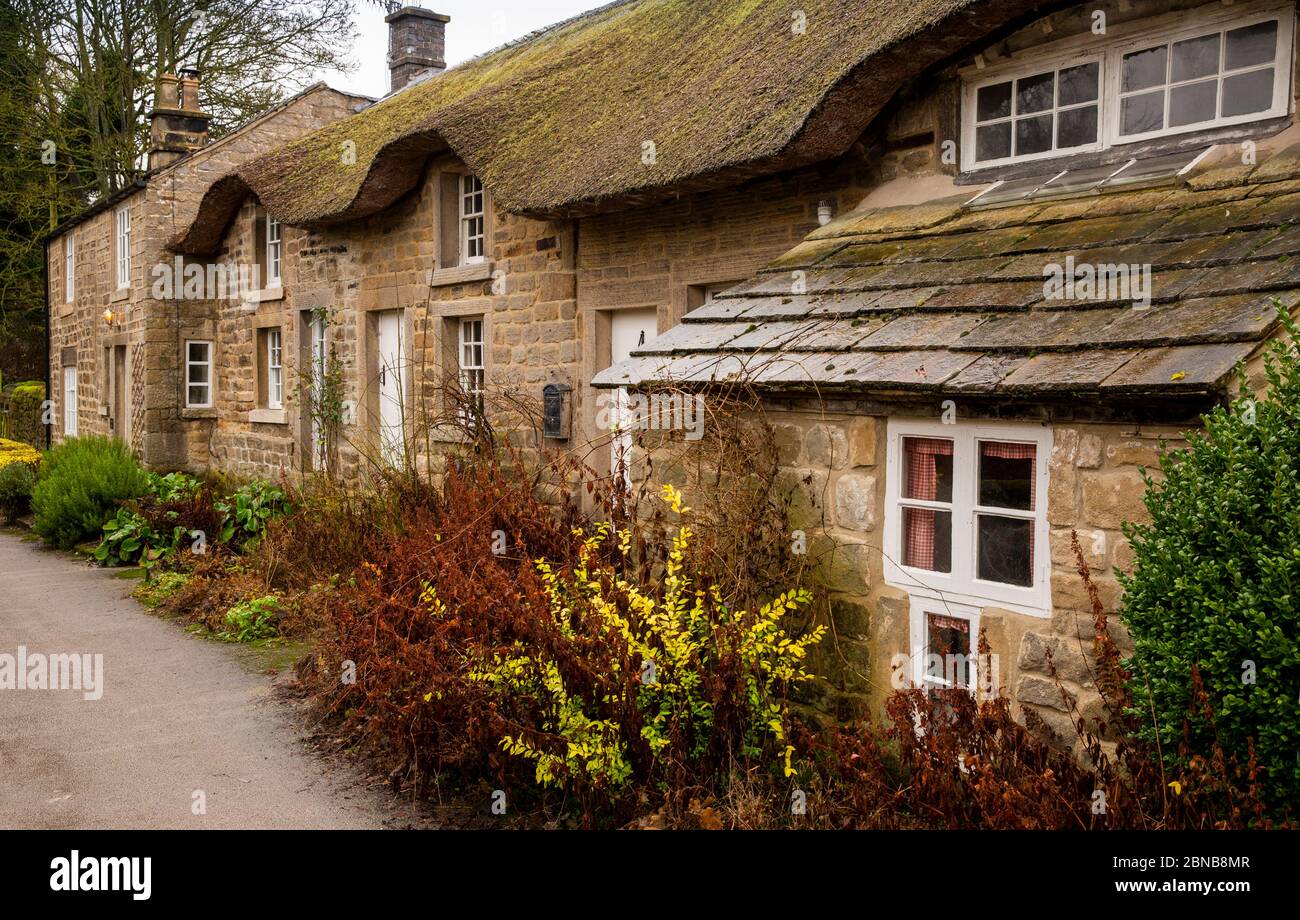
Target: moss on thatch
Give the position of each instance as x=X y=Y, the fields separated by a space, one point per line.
x=557 y=123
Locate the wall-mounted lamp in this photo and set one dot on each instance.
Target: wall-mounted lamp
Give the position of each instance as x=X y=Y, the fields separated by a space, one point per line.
x=824 y=212
x=108 y=316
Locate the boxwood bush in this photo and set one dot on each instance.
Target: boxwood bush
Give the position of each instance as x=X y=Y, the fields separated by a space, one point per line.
x=1216 y=584
x=81 y=483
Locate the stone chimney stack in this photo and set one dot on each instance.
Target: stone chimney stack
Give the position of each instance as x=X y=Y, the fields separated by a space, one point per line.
x=177 y=125
x=417 y=42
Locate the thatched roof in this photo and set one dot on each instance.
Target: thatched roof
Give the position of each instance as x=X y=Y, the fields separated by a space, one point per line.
x=943 y=298
x=555 y=124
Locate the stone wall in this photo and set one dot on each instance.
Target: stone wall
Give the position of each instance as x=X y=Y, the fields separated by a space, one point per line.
x=833 y=466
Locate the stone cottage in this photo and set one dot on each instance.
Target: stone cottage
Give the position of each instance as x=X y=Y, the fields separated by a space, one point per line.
x=978 y=258
x=116 y=345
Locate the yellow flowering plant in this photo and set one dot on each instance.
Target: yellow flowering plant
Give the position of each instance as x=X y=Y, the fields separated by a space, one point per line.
x=651 y=681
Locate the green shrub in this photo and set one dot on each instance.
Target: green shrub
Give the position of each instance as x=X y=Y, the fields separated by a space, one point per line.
x=250 y=509
x=1216 y=586
x=253 y=619
x=160 y=589
x=81 y=484
x=16 y=483
x=129 y=538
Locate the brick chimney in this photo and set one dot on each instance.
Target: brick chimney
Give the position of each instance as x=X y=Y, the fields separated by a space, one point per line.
x=177 y=125
x=417 y=42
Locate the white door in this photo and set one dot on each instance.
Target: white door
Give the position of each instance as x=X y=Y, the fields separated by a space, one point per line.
x=628 y=330
x=392 y=385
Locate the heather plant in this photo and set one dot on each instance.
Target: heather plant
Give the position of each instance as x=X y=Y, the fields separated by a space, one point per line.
x=81 y=483
x=1215 y=593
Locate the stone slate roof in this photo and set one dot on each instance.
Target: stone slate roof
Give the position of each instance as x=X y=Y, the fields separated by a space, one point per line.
x=941 y=298
x=555 y=124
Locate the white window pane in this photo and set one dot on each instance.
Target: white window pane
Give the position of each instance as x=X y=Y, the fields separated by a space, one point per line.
x=198 y=395
x=1196 y=57
x=927 y=539
x=1005 y=550
x=1006 y=475
x=1033 y=135
x=1193 y=103
x=198 y=351
x=993 y=142
x=1036 y=93
x=1078 y=84
x=948 y=649
x=1246 y=93
x=993 y=101
x=1076 y=127
x=1139 y=114
x=1143 y=69
x=928 y=469
x=1251 y=45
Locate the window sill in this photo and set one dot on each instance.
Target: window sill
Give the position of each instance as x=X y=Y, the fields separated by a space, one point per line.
x=197 y=414
x=460 y=274
x=1174 y=143
x=267 y=295
x=448 y=434
x=119 y=295
x=268 y=417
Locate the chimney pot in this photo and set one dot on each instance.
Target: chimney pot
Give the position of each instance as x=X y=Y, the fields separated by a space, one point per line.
x=417 y=41
x=177 y=125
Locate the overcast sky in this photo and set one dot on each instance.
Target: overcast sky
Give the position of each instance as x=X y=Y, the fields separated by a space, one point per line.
x=476 y=26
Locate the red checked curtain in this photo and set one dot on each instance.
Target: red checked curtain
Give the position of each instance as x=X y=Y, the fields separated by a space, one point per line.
x=1001 y=451
x=922 y=483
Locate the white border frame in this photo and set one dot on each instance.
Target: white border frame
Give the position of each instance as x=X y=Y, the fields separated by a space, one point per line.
x=70 y=400
x=70 y=267
x=467 y=216
x=274 y=370
x=961 y=586
x=918 y=608
x=970 y=96
x=461 y=342
x=1282 y=65
x=211 y=364
x=1119 y=40
x=122 y=246
x=274 y=252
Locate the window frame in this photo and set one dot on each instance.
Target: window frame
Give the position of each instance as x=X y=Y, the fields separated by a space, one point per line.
x=70 y=267
x=961 y=584
x=463 y=368
x=211 y=382
x=1282 y=65
x=69 y=400
x=1110 y=50
x=970 y=96
x=918 y=638
x=122 y=243
x=274 y=252
x=467 y=217
x=274 y=337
